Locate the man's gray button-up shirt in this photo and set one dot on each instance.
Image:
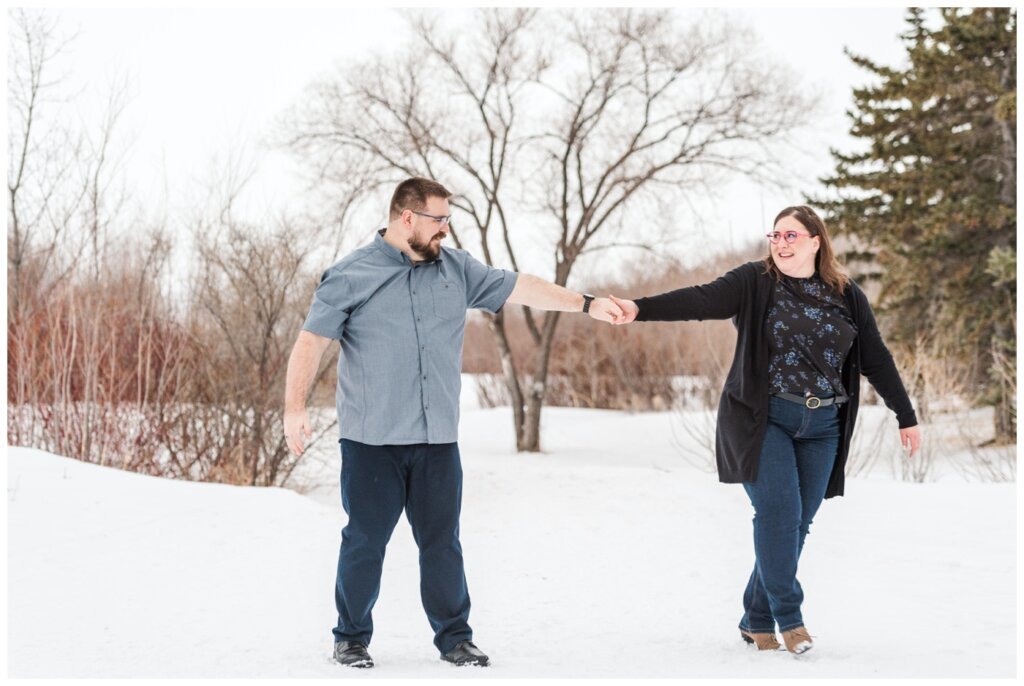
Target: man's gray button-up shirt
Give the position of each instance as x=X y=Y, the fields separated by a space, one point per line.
x=401 y=325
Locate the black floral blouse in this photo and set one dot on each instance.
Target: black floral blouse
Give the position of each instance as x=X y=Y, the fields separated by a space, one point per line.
x=810 y=333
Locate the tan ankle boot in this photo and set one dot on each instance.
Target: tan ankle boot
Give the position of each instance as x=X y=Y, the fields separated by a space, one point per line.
x=762 y=641
x=797 y=640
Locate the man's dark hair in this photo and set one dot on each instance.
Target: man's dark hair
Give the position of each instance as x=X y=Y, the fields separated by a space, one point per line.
x=413 y=193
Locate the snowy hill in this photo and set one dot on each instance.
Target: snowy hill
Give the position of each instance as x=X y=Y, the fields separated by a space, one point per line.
x=607 y=556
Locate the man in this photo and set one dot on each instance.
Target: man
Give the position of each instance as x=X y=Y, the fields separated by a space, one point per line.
x=398 y=306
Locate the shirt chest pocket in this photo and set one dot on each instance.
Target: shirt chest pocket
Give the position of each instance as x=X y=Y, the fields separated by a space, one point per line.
x=449 y=301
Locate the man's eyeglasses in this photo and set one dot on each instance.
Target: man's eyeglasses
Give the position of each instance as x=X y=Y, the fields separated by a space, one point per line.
x=789 y=236
x=442 y=220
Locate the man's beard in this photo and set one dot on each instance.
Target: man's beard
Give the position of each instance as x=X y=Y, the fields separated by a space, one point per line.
x=428 y=250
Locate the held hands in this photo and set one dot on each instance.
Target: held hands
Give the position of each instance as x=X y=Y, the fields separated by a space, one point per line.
x=296 y=423
x=629 y=310
x=910 y=439
x=613 y=310
x=604 y=310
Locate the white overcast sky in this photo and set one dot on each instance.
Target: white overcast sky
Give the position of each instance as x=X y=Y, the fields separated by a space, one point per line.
x=205 y=82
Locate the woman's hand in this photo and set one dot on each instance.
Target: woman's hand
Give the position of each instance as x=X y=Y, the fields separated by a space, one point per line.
x=910 y=438
x=629 y=310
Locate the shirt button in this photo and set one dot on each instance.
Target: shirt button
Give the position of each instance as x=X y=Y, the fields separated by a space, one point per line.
x=424 y=377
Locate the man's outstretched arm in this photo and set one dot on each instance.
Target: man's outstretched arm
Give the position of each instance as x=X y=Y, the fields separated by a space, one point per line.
x=302 y=367
x=544 y=295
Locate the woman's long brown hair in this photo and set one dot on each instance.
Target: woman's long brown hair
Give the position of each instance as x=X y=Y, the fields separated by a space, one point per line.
x=828 y=268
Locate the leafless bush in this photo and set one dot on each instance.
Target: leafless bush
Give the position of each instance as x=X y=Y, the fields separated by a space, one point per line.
x=106 y=371
x=868 y=448
x=95 y=356
x=952 y=433
x=694 y=428
x=491 y=390
x=248 y=302
x=693 y=434
x=94 y=366
x=991 y=463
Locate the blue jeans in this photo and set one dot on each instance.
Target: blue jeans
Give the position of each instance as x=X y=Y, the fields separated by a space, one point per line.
x=377 y=484
x=797 y=456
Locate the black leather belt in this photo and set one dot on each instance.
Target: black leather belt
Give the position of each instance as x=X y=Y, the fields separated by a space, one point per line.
x=811 y=402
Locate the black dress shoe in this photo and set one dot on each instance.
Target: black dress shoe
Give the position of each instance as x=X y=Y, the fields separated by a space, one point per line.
x=352 y=654
x=465 y=653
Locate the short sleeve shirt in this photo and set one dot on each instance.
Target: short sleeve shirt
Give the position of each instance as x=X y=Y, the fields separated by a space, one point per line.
x=401 y=326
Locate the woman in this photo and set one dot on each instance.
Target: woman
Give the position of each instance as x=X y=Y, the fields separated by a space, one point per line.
x=805 y=334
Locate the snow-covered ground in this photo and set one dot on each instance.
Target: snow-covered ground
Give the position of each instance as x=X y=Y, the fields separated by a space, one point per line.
x=609 y=555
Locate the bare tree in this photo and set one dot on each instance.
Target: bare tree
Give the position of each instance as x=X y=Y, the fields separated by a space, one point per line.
x=636 y=111
x=105 y=195
x=248 y=297
x=41 y=150
x=87 y=347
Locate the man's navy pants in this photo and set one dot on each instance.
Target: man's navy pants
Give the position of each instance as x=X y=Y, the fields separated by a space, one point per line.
x=377 y=483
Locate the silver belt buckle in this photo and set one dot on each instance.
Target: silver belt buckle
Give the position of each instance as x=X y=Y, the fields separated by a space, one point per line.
x=812 y=402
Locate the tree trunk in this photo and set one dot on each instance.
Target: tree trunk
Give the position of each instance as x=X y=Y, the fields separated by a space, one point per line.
x=1005 y=421
x=496 y=323
x=530 y=441
x=1003 y=371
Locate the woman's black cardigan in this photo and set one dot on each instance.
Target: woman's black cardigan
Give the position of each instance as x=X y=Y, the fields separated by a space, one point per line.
x=745 y=294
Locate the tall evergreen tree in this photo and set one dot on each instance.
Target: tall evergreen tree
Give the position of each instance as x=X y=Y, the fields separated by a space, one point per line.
x=931 y=202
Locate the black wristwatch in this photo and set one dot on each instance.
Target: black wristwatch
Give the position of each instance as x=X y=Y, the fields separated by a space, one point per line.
x=587 y=299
